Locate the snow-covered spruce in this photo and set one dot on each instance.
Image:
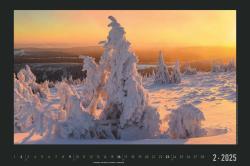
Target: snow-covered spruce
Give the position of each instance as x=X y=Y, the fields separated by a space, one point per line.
x=29 y=76
x=26 y=76
x=219 y=67
x=162 y=75
x=29 y=114
x=44 y=90
x=79 y=127
x=74 y=121
x=176 y=74
x=28 y=110
x=23 y=107
x=29 y=79
x=188 y=70
x=216 y=67
x=230 y=66
x=68 y=99
x=114 y=86
x=127 y=99
x=185 y=122
x=90 y=67
x=116 y=82
x=126 y=96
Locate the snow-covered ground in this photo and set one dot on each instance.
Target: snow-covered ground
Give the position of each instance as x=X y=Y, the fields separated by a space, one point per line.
x=213 y=93
x=144 y=66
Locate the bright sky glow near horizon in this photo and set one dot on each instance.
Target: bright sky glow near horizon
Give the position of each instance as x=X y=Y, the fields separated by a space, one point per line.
x=144 y=28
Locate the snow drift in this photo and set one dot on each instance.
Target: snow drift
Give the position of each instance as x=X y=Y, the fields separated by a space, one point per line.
x=185 y=122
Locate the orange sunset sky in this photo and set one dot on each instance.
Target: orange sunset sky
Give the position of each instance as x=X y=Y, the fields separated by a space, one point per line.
x=144 y=28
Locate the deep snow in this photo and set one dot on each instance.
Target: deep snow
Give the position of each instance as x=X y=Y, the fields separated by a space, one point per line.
x=213 y=93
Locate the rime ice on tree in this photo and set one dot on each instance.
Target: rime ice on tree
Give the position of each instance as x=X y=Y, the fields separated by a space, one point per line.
x=27 y=105
x=189 y=70
x=76 y=123
x=185 y=122
x=219 y=67
x=230 y=66
x=92 y=84
x=113 y=86
x=118 y=83
x=23 y=104
x=26 y=76
x=216 y=67
x=162 y=75
x=176 y=74
x=126 y=97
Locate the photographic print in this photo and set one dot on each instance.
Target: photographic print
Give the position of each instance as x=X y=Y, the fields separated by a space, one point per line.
x=125 y=77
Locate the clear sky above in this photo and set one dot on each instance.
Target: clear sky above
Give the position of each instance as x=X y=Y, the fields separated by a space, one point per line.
x=144 y=28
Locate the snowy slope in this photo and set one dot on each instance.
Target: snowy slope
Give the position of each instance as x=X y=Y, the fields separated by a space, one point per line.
x=213 y=93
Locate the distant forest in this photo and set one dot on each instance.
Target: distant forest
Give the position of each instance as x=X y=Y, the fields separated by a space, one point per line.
x=145 y=56
x=57 y=63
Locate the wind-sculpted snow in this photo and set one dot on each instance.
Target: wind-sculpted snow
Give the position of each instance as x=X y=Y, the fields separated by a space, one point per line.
x=203 y=86
x=197 y=89
x=185 y=122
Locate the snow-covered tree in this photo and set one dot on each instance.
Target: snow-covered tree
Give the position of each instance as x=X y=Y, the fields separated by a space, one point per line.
x=66 y=92
x=29 y=113
x=44 y=90
x=188 y=70
x=19 y=104
x=176 y=74
x=216 y=67
x=25 y=103
x=127 y=99
x=77 y=122
x=219 y=67
x=185 y=122
x=112 y=86
x=162 y=75
x=117 y=83
x=78 y=127
x=29 y=79
x=94 y=83
x=153 y=74
x=230 y=66
x=26 y=75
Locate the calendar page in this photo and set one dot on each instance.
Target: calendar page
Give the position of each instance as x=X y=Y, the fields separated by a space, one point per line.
x=116 y=84
x=125 y=77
